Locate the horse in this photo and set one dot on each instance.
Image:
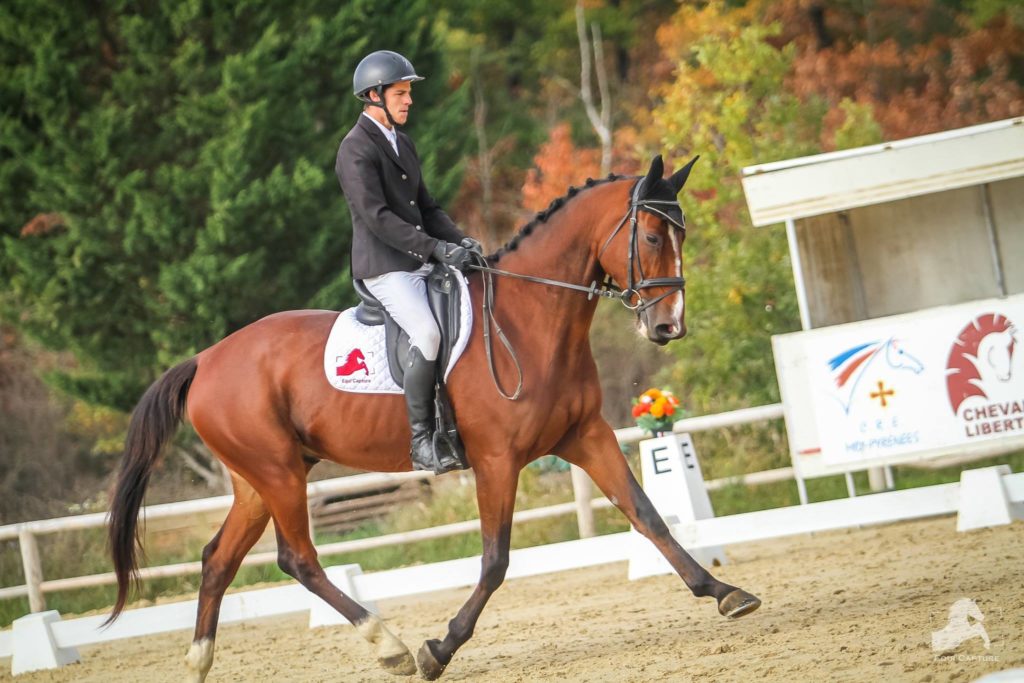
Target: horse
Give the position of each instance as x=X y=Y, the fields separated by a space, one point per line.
x=996 y=350
x=850 y=367
x=258 y=401
x=980 y=358
x=355 y=362
x=965 y=619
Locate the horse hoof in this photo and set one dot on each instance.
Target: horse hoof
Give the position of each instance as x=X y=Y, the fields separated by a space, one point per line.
x=399 y=665
x=430 y=668
x=738 y=603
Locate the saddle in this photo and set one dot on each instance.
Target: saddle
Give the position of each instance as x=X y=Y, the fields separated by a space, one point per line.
x=444 y=297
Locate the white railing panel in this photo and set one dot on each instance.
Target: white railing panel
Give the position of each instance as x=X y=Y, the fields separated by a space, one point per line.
x=893 y=506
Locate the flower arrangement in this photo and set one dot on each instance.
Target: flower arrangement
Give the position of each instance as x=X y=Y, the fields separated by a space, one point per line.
x=656 y=409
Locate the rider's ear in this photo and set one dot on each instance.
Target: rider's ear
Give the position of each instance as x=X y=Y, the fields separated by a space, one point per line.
x=678 y=178
x=655 y=173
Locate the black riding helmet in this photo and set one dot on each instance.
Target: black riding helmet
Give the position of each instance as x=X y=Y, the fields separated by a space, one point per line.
x=378 y=70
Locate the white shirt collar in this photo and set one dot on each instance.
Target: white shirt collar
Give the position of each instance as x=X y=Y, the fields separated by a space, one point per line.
x=389 y=133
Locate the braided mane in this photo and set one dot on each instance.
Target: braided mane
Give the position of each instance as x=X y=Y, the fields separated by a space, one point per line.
x=543 y=216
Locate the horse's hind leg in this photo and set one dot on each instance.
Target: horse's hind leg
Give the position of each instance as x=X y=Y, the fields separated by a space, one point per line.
x=594 y=448
x=297 y=557
x=243 y=526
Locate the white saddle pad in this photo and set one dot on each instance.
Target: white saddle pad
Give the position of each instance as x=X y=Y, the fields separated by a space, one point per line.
x=356 y=357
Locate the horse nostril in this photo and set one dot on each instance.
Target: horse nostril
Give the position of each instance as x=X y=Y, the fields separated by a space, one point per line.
x=666 y=331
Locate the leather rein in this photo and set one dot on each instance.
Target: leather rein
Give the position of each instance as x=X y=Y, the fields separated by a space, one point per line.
x=606 y=289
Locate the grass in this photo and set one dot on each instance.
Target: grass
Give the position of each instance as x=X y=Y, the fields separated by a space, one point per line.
x=454 y=500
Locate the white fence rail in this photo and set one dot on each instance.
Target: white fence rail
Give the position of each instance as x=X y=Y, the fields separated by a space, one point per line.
x=36 y=586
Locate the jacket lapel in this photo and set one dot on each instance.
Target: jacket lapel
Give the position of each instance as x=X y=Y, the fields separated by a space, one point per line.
x=381 y=140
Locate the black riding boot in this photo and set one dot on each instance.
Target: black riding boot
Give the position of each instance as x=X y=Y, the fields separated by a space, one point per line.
x=419 y=400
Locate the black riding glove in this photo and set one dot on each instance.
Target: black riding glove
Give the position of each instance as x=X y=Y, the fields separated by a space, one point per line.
x=473 y=245
x=453 y=255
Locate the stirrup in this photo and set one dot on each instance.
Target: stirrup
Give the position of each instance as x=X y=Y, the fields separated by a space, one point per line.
x=445 y=458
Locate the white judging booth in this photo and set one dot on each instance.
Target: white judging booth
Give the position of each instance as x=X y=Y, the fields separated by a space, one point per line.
x=908 y=261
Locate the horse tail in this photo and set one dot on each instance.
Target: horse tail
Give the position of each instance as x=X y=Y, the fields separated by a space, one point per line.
x=154 y=421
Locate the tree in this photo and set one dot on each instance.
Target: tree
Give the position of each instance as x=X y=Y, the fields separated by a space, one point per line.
x=173 y=170
x=727 y=102
x=526 y=75
x=921 y=66
x=592 y=59
x=557 y=165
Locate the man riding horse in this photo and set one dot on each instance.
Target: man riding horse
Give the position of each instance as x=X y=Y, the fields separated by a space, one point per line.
x=259 y=400
x=398 y=232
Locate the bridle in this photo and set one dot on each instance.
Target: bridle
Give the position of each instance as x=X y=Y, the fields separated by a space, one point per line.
x=633 y=288
x=606 y=289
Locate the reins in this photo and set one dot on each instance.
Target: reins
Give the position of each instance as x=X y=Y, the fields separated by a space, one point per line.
x=606 y=289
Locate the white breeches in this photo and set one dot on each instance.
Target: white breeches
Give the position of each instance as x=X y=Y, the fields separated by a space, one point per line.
x=404 y=296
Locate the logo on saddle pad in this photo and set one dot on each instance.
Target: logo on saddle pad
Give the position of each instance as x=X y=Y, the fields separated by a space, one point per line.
x=354 y=362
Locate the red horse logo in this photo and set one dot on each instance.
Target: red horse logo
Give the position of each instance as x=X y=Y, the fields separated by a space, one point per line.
x=355 y=361
x=982 y=351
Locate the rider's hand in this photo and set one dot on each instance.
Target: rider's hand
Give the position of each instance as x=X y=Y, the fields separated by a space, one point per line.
x=473 y=245
x=453 y=255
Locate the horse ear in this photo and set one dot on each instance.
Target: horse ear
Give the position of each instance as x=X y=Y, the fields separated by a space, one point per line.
x=678 y=178
x=655 y=173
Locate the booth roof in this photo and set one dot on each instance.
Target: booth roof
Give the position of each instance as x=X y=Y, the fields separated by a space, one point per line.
x=836 y=181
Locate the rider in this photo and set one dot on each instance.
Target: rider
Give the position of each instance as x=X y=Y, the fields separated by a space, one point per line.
x=398 y=231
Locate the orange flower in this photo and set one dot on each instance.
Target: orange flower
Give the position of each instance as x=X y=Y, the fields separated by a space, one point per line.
x=658 y=407
x=653 y=394
x=640 y=408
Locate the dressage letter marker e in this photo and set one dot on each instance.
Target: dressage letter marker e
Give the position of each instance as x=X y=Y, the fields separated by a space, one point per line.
x=673 y=481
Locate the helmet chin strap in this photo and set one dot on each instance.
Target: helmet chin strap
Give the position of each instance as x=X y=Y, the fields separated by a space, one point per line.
x=380 y=93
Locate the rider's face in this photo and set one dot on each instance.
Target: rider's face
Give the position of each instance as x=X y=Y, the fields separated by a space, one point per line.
x=398 y=98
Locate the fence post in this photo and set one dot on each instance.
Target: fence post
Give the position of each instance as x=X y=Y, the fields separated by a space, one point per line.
x=877 y=479
x=582 y=489
x=33 y=570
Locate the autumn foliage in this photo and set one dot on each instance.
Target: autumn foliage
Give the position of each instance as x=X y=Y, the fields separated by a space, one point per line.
x=560 y=164
x=920 y=66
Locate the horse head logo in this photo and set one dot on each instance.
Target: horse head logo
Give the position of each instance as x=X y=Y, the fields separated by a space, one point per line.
x=964 y=623
x=848 y=368
x=982 y=352
x=353 y=362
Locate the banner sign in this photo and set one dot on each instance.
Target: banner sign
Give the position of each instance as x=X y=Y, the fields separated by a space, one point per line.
x=933 y=381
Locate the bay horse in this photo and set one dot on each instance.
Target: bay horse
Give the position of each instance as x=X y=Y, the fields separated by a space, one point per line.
x=259 y=401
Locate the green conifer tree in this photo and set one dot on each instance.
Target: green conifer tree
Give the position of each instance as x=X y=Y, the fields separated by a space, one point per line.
x=178 y=161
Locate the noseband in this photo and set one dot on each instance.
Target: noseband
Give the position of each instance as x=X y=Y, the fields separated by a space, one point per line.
x=607 y=289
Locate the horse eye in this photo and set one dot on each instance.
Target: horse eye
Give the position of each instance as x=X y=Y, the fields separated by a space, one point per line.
x=653 y=239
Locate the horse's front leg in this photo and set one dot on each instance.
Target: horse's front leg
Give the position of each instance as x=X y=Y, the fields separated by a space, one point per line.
x=594 y=448
x=496 y=481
